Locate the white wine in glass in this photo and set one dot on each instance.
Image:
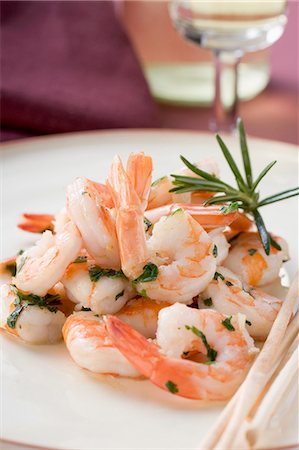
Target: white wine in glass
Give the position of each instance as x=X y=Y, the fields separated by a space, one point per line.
x=229 y=29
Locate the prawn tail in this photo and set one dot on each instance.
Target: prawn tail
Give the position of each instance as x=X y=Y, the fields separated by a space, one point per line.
x=121 y=187
x=141 y=353
x=139 y=170
x=36 y=223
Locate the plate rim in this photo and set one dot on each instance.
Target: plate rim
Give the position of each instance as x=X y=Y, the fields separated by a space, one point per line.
x=90 y=133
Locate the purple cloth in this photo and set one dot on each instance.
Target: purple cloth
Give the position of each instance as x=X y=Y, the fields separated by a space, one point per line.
x=68 y=66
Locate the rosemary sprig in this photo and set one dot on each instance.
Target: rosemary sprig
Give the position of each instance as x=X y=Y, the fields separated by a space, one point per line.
x=244 y=197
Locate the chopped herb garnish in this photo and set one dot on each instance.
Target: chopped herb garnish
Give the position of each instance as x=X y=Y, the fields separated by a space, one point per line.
x=80 y=259
x=228 y=283
x=248 y=322
x=13 y=317
x=211 y=353
x=252 y=251
x=186 y=353
x=85 y=309
x=172 y=387
x=227 y=323
x=20 y=252
x=21 y=264
x=208 y=301
x=150 y=273
x=215 y=251
x=120 y=294
x=285 y=260
x=234 y=206
x=218 y=275
x=147 y=224
x=244 y=195
x=154 y=183
x=22 y=300
x=176 y=211
x=96 y=272
x=143 y=293
x=85 y=193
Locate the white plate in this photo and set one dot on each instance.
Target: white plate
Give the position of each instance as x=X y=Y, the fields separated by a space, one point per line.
x=46 y=399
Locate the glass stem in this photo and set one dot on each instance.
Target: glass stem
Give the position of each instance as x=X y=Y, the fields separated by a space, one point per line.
x=226 y=90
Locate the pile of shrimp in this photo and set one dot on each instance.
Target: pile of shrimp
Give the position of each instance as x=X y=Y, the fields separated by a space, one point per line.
x=142 y=282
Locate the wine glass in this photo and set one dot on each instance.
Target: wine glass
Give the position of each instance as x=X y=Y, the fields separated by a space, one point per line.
x=229 y=28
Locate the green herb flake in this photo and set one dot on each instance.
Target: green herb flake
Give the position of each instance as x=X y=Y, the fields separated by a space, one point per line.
x=23 y=300
x=252 y=251
x=85 y=193
x=154 y=183
x=211 y=353
x=143 y=293
x=209 y=363
x=80 y=259
x=228 y=283
x=227 y=323
x=20 y=252
x=208 y=301
x=20 y=265
x=150 y=273
x=85 y=309
x=248 y=323
x=218 y=275
x=215 y=251
x=120 y=294
x=172 y=387
x=233 y=206
x=176 y=211
x=96 y=272
x=186 y=353
x=13 y=317
x=147 y=224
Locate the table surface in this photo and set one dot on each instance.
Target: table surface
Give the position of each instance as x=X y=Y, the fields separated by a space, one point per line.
x=272 y=115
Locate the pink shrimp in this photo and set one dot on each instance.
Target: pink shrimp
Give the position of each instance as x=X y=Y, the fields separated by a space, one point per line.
x=200 y=330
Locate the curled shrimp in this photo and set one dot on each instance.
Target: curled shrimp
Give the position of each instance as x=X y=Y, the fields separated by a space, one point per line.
x=103 y=291
x=31 y=323
x=95 y=222
x=179 y=250
x=189 y=328
x=40 y=267
x=229 y=296
x=90 y=346
x=248 y=259
x=160 y=190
